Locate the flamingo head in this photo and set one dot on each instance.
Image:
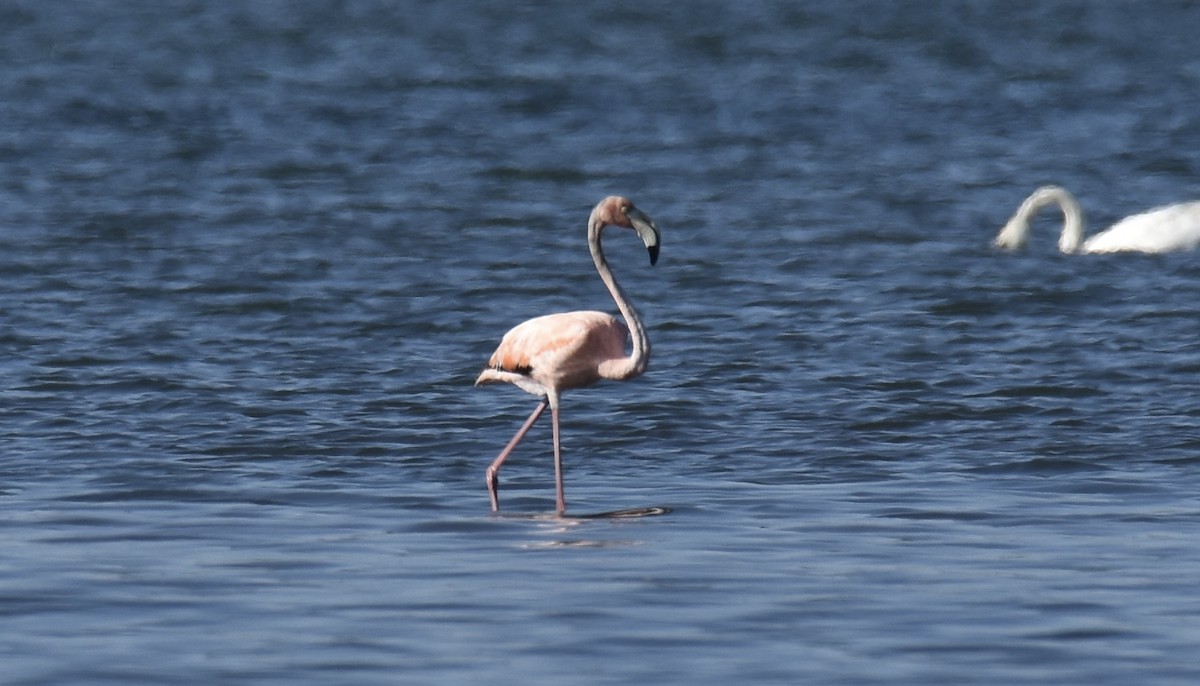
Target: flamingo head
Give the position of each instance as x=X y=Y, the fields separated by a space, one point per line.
x=616 y=210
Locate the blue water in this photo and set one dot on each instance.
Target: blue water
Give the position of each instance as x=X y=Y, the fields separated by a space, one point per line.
x=254 y=254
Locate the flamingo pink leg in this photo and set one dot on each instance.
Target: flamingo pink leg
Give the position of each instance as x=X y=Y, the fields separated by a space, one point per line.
x=561 y=501
x=493 y=471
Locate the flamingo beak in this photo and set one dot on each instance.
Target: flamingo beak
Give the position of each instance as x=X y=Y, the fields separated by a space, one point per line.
x=646 y=230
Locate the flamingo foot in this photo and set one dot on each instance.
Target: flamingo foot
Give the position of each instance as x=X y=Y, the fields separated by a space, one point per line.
x=493 y=484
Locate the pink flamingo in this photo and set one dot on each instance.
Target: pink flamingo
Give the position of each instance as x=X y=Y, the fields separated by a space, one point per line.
x=547 y=355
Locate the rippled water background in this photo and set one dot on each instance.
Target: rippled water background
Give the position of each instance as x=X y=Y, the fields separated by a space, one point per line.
x=253 y=254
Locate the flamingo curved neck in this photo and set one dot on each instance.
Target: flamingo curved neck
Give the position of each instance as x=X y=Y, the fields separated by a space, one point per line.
x=635 y=364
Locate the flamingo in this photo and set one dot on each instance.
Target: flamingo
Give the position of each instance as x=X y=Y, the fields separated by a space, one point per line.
x=547 y=355
x=1174 y=227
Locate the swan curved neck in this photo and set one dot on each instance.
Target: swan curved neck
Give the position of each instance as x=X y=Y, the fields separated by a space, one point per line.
x=1016 y=231
x=635 y=364
x=1072 y=233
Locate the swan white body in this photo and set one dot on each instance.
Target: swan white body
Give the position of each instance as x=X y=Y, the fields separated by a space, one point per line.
x=1165 y=229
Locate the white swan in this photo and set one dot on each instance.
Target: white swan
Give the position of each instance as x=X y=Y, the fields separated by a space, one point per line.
x=1174 y=227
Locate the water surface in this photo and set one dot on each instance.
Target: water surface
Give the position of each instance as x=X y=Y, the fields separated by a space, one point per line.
x=254 y=254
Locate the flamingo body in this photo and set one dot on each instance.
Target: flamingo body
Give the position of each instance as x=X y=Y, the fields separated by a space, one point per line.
x=558 y=351
x=1165 y=229
x=547 y=355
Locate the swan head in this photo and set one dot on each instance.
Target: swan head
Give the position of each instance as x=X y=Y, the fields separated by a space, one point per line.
x=1014 y=235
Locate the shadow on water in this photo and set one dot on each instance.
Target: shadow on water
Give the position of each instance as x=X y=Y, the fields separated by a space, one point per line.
x=556 y=527
x=561 y=525
x=630 y=513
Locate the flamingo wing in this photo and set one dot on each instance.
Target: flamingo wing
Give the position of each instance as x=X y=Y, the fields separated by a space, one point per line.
x=561 y=350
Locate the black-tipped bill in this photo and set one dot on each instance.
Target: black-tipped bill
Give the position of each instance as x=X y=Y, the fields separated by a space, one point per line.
x=646 y=230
